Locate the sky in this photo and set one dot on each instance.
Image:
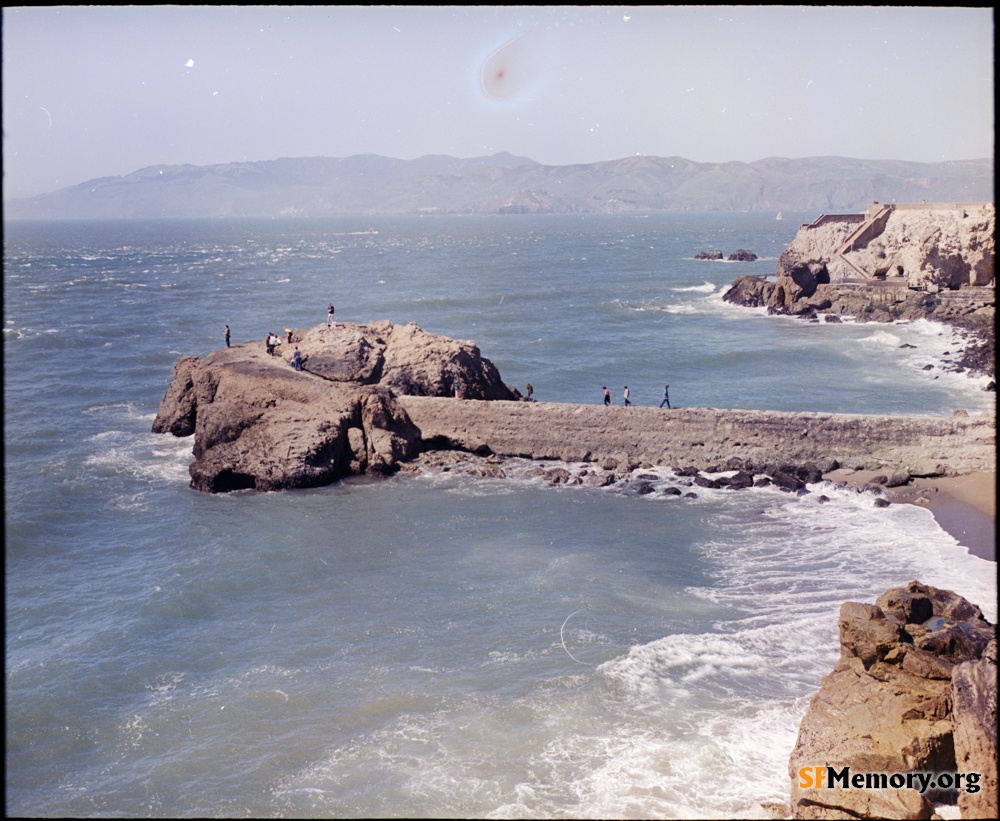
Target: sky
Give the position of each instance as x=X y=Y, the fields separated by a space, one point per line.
x=99 y=91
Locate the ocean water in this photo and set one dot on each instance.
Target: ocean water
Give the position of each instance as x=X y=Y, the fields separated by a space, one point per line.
x=436 y=645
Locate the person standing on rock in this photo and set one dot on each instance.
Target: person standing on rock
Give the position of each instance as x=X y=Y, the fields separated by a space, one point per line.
x=297 y=359
x=329 y=315
x=626 y=397
x=226 y=332
x=530 y=391
x=666 y=396
x=607 y=396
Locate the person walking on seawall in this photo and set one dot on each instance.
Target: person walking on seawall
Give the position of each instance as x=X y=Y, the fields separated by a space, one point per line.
x=666 y=396
x=607 y=396
x=329 y=315
x=627 y=395
x=227 y=336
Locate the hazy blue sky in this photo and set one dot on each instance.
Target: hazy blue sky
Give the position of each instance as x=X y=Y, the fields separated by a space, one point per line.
x=91 y=91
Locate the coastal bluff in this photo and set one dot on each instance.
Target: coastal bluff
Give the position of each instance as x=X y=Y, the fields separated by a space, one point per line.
x=890 y=262
x=372 y=397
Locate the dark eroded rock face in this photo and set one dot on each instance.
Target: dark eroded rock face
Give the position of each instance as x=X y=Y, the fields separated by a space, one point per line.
x=750 y=291
x=887 y=705
x=974 y=714
x=260 y=424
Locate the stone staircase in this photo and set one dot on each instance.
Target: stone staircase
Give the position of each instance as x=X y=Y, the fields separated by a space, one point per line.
x=873 y=225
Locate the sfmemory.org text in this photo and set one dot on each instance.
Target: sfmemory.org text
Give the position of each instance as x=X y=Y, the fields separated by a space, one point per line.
x=832 y=778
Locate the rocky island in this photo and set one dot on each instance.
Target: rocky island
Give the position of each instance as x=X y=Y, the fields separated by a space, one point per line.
x=258 y=423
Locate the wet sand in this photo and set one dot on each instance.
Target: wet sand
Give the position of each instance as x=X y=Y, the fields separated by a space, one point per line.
x=964 y=506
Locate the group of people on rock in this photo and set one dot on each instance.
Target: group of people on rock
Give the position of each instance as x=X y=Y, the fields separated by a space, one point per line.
x=296 y=353
x=273 y=342
x=627 y=396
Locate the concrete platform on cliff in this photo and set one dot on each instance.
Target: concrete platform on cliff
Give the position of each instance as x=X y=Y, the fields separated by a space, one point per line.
x=921 y=445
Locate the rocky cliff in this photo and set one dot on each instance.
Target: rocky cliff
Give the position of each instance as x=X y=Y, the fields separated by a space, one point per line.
x=371 y=397
x=888 y=263
x=914 y=692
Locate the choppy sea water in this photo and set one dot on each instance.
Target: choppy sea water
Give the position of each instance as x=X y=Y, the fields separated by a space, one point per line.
x=434 y=645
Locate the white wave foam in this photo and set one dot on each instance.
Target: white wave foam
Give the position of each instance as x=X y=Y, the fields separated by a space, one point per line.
x=148 y=457
x=707 y=288
x=882 y=339
x=781 y=575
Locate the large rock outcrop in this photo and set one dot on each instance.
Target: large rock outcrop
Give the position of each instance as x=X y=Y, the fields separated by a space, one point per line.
x=911 y=689
x=921 y=246
x=260 y=424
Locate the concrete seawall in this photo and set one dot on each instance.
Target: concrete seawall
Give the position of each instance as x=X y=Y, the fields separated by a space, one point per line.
x=702 y=437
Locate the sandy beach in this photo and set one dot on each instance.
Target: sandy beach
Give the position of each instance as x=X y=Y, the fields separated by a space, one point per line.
x=965 y=506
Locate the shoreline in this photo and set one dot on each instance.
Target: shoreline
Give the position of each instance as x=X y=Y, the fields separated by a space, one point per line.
x=964 y=506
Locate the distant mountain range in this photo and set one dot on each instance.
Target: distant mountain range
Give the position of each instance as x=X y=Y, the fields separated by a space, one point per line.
x=504 y=184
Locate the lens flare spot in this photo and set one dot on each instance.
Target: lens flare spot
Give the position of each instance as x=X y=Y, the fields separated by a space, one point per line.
x=509 y=70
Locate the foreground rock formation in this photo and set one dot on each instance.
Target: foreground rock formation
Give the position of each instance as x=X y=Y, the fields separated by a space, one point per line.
x=372 y=397
x=890 y=262
x=914 y=691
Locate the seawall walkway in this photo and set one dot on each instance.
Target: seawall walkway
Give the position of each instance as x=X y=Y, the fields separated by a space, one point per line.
x=702 y=437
